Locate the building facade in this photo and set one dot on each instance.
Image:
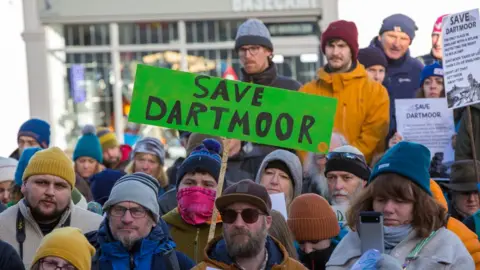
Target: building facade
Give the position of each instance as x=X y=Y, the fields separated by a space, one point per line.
x=82 y=55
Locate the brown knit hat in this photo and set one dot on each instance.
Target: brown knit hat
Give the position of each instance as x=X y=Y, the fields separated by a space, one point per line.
x=196 y=139
x=312 y=218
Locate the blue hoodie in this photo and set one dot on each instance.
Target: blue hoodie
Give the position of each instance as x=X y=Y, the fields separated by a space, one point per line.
x=152 y=252
x=402 y=79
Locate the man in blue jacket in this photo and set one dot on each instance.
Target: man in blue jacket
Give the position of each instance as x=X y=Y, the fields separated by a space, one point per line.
x=133 y=236
x=403 y=71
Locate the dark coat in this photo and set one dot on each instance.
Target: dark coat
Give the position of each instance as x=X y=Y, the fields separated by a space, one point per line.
x=9 y=258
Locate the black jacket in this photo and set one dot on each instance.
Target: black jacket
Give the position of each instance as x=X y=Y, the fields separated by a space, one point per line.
x=9 y=258
x=270 y=77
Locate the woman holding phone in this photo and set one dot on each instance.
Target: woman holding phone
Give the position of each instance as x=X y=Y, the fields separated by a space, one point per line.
x=414 y=230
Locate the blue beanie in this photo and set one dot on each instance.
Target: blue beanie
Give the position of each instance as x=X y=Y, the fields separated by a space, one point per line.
x=27 y=154
x=408 y=159
x=399 y=23
x=102 y=183
x=205 y=157
x=37 y=129
x=88 y=145
x=434 y=69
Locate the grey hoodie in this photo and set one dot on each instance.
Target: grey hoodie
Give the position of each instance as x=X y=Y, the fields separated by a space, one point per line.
x=293 y=164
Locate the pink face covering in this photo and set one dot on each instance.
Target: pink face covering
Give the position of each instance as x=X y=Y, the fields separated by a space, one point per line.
x=195 y=204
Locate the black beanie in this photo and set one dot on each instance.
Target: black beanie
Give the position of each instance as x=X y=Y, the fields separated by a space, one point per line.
x=372 y=56
x=278 y=164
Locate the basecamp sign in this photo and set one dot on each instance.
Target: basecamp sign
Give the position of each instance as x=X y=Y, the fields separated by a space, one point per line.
x=232 y=109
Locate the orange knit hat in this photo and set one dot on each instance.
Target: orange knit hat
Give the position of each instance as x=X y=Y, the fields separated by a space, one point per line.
x=312 y=218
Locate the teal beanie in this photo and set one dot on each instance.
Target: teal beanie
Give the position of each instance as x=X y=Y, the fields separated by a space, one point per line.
x=410 y=160
x=88 y=145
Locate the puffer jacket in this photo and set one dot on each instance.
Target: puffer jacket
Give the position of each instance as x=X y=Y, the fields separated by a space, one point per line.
x=156 y=251
x=362 y=109
x=468 y=237
x=216 y=257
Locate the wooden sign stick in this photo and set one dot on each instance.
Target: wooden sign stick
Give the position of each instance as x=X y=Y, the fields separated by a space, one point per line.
x=221 y=180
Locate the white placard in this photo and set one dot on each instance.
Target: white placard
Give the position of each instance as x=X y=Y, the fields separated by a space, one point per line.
x=461 y=58
x=427 y=121
x=279 y=204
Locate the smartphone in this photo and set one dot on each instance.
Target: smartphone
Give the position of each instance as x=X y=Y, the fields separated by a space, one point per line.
x=370 y=230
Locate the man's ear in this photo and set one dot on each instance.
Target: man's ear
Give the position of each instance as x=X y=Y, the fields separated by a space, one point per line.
x=268 y=222
x=379 y=38
x=44 y=145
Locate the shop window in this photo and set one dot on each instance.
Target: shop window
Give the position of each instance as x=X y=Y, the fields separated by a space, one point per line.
x=148 y=33
x=86 y=34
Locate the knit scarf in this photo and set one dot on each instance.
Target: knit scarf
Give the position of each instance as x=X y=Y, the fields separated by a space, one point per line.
x=394 y=235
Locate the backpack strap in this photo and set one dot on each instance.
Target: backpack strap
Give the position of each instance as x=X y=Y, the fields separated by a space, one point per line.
x=172 y=260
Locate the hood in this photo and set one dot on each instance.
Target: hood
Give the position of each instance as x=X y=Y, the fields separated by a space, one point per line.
x=293 y=164
x=216 y=253
x=437 y=193
x=158 y=241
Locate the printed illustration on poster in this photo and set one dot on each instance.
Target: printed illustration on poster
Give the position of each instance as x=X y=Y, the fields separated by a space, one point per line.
x=461 y=58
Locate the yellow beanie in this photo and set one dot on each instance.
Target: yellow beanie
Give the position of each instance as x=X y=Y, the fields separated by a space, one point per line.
x=51 y=161
x=69 y=244
x=107 y=138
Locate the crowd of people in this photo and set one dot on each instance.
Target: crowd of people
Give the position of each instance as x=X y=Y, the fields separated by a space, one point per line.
x=110 y=206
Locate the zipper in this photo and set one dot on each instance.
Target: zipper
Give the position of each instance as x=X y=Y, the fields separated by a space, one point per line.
x=344 y=120
x=195 y=244
x=132 y=262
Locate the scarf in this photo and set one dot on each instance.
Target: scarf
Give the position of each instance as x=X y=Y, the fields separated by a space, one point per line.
x=394 y=235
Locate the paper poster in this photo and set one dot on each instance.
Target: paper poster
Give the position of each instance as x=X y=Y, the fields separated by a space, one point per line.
x=232 y=109
x=427 y=121
x=279 y=204
x=341 y=212
x=461 y=58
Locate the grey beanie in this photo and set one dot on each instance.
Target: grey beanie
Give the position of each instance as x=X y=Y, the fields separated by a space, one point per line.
x=150 y=145
x=253 y=32
x=293 y=164
x=139 y=188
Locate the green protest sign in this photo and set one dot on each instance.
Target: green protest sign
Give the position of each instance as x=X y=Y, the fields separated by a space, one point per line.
x=232 y=109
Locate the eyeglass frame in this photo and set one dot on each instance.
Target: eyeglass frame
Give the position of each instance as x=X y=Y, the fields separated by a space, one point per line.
x=125 y=209
x=242 y=52
x=42 y=261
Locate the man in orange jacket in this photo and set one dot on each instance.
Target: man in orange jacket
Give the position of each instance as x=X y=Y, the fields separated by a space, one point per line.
x=468 y=237
x=363 y=105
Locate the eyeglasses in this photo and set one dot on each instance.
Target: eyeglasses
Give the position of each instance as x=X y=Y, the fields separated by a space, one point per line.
x=52 y=265
x=343 y=155
x=136 y=212
x=249 y=215
x=253 y=50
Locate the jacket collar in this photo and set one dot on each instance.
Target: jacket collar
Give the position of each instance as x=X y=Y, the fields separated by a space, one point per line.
x=267 y=77
x=340 y=81
x=158 y=241
x=27 y=214
x=216 y=253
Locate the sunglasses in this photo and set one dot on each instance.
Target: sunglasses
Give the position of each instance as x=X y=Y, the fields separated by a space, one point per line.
x=343 y=155
x=249 y=215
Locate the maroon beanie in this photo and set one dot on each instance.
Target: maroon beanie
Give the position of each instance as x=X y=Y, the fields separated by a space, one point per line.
x=344 y=30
